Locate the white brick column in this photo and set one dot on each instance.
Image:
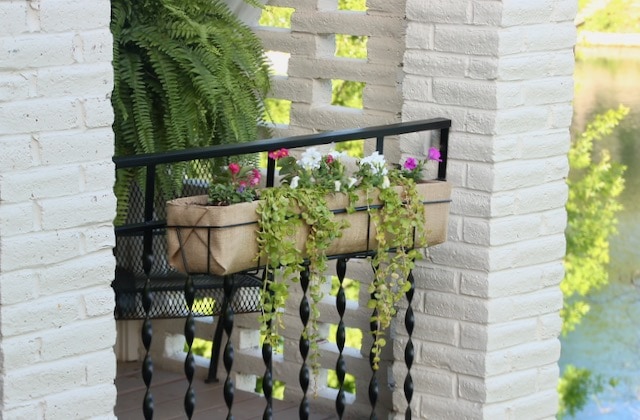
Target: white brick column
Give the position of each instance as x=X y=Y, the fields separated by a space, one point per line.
x=56 y=208
x=488 y=301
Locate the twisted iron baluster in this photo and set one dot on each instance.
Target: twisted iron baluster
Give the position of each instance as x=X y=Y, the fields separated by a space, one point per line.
x=409 y=322
x=305 y=311
x=267 y=379
x=189 y=362
x=228 y=348
x=373 y=382
x=147 y=297
x=147 y=330
x=374 y=326
x=147 y=363
x=341 y=368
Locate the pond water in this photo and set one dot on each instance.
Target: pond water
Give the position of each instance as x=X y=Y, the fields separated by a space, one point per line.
x=608 y=340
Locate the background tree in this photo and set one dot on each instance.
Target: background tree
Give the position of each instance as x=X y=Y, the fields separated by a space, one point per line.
x=594 y=190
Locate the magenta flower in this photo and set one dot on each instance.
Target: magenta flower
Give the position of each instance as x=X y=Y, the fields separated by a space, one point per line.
x=278 y=154
x=254 y=177
x=434 y=154
x=410 y=164
x=234 y=168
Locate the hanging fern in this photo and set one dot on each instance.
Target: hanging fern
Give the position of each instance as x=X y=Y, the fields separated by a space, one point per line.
x=188 y=74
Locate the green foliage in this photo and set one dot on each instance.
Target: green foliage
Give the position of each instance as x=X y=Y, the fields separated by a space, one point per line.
x=575 y=387
x=276 y=17
x=618 y=16
x=351 y=46
x=594 y=188
x=355 y=5
x=278 y=388
x=347 y=93
x=234 y=184
x=354 y=148
x=200 y=347
x=187 y=73
x=400 y=217
x=349 y=381
x=277 y=111
x=583 y=3
x=281 y=212
x=353 y=336
x=351 y=288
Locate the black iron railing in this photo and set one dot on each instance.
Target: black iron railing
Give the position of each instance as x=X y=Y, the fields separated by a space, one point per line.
x=144 y=280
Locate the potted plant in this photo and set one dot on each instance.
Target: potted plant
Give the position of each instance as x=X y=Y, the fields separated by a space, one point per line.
x=187 y=73
x=320 y=210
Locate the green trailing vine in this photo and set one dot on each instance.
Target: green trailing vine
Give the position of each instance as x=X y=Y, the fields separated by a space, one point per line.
x=399 y=222
x=297 y=228
x=187 y=73
x=284 y=210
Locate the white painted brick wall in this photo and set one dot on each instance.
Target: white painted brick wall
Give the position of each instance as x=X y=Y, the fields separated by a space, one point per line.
x=488 y=318
x=56 y=210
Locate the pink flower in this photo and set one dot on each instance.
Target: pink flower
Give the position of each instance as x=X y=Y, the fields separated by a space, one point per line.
x=410 y=164
x=234 y=168
x=254 y=177
x=278 y=154
x=434 y=154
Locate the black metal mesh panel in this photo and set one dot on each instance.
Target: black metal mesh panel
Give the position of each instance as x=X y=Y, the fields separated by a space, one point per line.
x=169 y=301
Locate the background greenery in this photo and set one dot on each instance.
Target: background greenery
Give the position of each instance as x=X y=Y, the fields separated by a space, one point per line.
x=595 y=184
x=619 y=16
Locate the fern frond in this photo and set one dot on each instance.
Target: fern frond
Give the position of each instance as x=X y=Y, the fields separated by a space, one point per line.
x=188 y=73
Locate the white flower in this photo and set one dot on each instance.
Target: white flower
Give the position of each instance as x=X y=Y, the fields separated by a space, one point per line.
x=352 y=182
x=375 y=161
x=310 y=159
x=385 y=182
x=339 y=156
x=374 y=158
x=294 y=182
x=337 y=185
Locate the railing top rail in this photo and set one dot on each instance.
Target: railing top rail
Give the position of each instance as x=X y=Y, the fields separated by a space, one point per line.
x=255 y=146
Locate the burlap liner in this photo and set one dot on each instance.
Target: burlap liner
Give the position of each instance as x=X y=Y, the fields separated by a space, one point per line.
x=222 y=239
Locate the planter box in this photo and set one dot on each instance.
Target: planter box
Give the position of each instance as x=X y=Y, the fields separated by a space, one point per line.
x=221 y=240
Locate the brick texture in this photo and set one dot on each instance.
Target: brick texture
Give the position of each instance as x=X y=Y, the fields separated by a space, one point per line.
x=56 y=210
x=503 y=72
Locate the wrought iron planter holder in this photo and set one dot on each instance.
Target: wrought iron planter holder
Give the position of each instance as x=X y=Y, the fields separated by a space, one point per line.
x=226 y=280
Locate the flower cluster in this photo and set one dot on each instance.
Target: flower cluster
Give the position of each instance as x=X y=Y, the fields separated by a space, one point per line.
x=412 y=168
x=372 y=170
x=315 y=170
x=234 y=184
x=328 y=171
